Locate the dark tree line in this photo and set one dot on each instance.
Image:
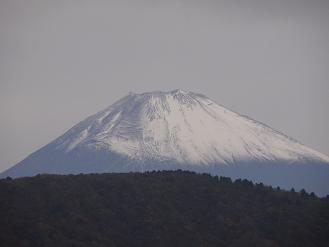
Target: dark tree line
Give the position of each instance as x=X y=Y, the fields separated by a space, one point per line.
x=169 y=208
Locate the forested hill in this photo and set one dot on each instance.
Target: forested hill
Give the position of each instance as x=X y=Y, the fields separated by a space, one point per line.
x=170 y=208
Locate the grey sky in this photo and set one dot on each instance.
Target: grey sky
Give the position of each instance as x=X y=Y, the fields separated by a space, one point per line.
x=61 y=61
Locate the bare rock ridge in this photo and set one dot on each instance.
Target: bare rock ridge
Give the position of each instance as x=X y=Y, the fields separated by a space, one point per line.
x=179 y=130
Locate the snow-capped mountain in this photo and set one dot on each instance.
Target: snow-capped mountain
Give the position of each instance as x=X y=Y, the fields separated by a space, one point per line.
x=178 y=129
x=183 y=127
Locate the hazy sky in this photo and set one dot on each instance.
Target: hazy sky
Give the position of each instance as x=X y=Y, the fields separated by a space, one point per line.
x=61 y=61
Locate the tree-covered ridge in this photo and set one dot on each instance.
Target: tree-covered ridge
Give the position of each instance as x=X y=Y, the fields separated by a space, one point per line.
x=169 y=208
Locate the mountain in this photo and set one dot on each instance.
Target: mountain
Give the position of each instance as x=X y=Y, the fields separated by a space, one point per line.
x=158 y=209
x=179 y=130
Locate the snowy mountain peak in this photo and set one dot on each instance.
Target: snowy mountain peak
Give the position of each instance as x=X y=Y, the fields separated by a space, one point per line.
x=179 y=130
x=182 y=127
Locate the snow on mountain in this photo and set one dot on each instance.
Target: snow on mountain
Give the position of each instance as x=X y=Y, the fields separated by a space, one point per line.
x=179 y=130
x=182 y=126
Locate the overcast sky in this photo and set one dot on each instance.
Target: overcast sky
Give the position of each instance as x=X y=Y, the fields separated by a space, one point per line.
x=61 y=61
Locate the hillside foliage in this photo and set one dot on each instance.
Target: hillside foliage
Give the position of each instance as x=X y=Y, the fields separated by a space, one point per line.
x=168 y=208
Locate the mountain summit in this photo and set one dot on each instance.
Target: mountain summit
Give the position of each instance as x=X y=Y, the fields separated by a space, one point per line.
x=179 y=130
x=183 y=127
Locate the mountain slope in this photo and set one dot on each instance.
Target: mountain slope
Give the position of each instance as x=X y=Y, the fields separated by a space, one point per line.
x=170 y=130
x=157 y=209
x=184 y=127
